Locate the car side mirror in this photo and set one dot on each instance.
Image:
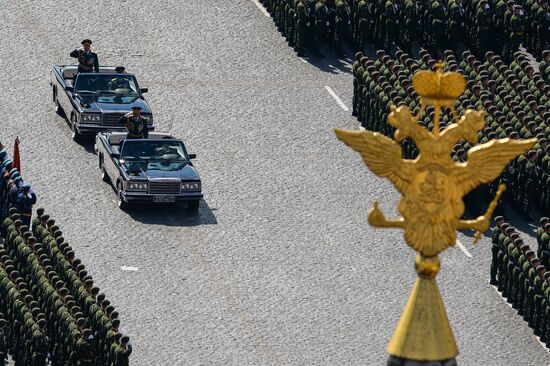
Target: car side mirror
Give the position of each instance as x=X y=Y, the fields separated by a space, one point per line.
x=192 y=156
x=143 y=90
x=69 y=89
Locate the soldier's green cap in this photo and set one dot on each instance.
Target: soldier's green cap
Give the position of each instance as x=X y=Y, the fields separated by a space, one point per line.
x=50 y=222
x=10 y=268
x=3 y=322
x=358 y=56
x=27 y=235
x=54 y=228
x=116 y=322
x=547 y=275
x=94 y=290
x=45 y=217
x=89 y=282
x=124 y=339
x=86 y=333
x=81 y=322
x=42 y=323
x=86 y=41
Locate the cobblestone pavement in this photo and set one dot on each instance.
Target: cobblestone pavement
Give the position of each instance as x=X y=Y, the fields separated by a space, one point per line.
x=280 y=266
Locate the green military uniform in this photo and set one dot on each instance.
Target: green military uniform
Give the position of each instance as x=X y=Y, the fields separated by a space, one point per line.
x=343 y=23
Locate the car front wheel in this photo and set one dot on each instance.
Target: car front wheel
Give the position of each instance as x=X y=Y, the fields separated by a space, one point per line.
x=76 y=135
x=121 y=203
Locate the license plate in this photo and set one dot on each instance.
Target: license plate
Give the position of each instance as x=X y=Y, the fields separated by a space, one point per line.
x=164 y=199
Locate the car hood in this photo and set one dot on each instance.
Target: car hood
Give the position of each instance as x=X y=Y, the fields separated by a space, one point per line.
x=113 y=107
x=152 y=170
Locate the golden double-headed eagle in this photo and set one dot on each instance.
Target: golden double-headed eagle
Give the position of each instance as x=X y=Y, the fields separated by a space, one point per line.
x=433 y=185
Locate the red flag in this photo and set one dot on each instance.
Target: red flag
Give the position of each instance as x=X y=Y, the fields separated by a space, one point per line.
x=16 y=157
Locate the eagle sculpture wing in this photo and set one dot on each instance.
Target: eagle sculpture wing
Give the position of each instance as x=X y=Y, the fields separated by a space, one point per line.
x=381 y=154
x=486 y=162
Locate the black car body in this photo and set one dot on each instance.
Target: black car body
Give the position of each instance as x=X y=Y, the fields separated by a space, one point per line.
x=156 y=169
x=94 y=102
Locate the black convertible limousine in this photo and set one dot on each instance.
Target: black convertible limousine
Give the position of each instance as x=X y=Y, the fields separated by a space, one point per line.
x=94 y=102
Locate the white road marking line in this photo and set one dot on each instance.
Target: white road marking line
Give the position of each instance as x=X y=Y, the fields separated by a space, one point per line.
x=463 y=248
x=336 y=98
x=511 y=307
x=260 y=6
x=128 y=268
x=303 y=60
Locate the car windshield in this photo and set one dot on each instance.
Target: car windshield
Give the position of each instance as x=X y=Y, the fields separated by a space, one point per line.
x=107 y=88
x=147 y=150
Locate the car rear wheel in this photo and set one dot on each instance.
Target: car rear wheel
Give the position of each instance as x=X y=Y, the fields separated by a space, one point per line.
x=194 y=205
x=75 y=135
x=121 y=203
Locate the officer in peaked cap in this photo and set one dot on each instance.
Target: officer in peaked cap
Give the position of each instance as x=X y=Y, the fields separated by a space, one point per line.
x=87 y=59
x=135 y=123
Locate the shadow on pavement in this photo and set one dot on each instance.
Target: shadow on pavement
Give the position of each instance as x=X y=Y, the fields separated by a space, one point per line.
x=172 y=215
x=87 y=142
x=330 y=62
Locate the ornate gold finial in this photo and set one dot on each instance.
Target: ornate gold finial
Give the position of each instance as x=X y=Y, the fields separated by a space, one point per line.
x=432 y=188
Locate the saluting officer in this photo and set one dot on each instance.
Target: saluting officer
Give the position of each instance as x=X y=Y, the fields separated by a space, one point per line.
x=87 y=59
x=135 y=123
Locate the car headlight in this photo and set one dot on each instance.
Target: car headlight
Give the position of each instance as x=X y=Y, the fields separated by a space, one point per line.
x=137 y=186
x=191 y=186
x=91 y=118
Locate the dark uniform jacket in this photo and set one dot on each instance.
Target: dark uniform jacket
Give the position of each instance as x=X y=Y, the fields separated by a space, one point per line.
x=137 y=128
x=87 y=61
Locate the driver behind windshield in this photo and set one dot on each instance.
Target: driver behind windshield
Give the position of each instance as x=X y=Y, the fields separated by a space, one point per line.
x=135 y=123
x=119 y=82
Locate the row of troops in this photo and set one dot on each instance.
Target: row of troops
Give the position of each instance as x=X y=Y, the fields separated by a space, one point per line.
x=521 y=275
x=515 y=97
x=312 y=24
x=53 y=312
x=482 y=25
